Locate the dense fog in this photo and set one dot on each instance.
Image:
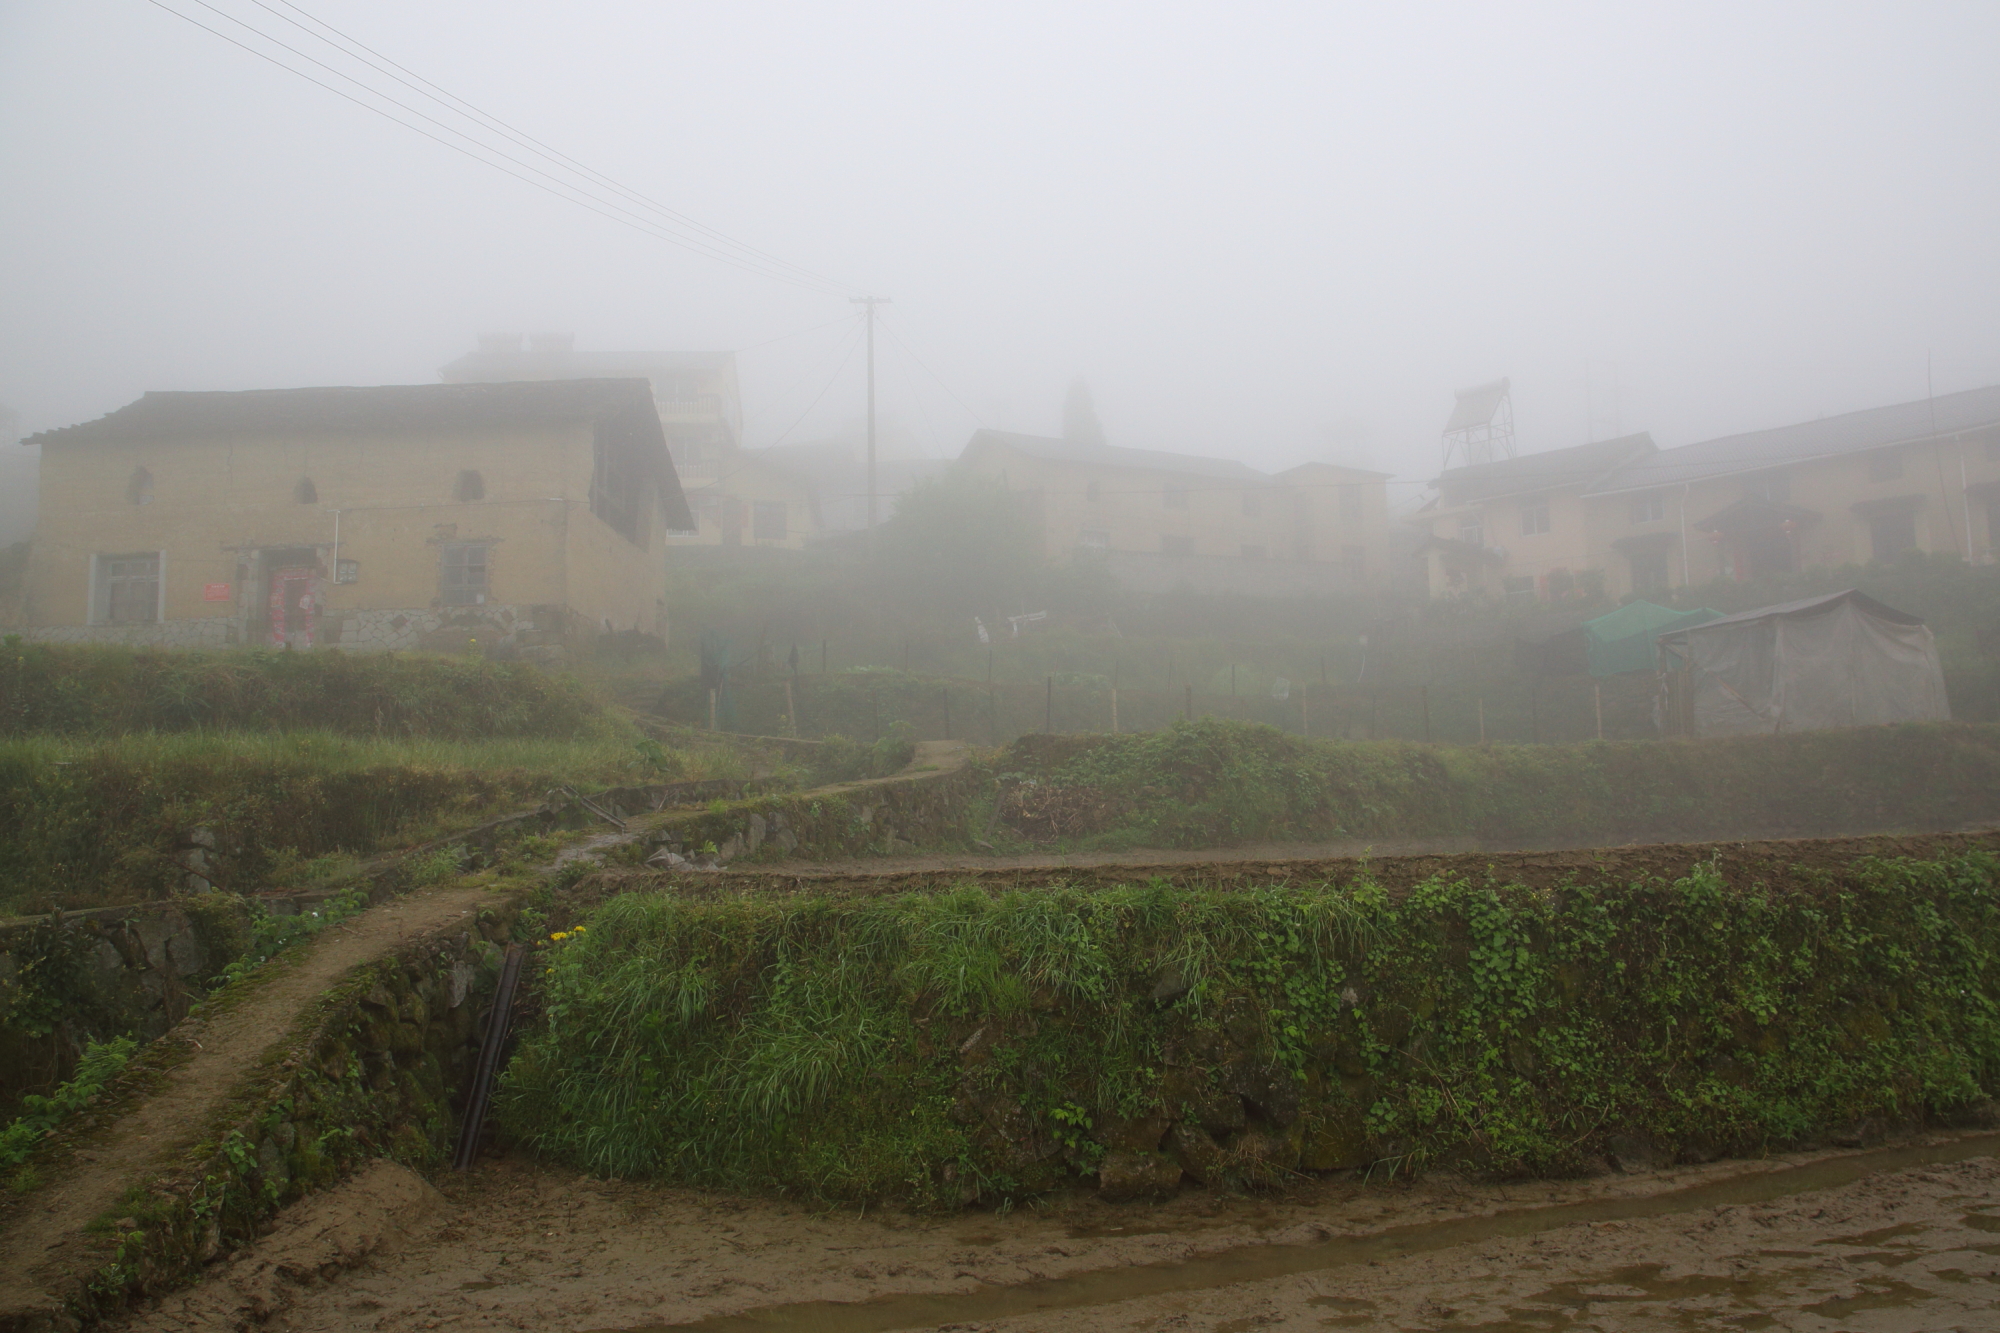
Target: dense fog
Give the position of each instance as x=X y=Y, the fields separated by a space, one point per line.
x=1273 y=232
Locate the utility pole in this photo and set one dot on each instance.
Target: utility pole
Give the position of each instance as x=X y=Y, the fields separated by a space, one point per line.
x=871 y=302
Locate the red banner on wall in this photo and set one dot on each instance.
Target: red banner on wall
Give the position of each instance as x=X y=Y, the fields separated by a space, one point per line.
x=215 y=592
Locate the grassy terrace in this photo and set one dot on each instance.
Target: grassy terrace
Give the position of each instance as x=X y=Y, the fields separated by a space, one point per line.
x=990 y=1043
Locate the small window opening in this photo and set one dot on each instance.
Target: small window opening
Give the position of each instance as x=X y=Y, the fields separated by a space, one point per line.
x=139 y=490
x=471 y=486
x=305 y=492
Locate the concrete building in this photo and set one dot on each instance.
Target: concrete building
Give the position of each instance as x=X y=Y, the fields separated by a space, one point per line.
x=1163 y=521
x=1842 y=490
x=1848 y=489
x=1517 y=527
x=527 y=516
x=737 y=497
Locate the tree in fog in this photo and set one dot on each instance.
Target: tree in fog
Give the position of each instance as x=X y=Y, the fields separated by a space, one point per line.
x=959 y=545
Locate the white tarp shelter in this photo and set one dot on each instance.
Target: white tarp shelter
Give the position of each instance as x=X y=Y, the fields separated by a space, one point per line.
x=1843 y=660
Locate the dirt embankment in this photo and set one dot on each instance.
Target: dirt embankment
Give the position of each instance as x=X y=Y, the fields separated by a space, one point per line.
x=1395 y=866
x=1893 y=1241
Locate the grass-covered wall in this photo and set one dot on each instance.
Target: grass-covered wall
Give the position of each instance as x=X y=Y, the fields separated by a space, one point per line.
x=943 y=1048
x=1208 y=784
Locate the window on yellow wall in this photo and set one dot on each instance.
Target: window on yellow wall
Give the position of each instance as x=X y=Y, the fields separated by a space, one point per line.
x=462 y=574
x=305 y=492
x=1351 y=501
x=1174 y=497
x=1091 y=491
x=139 y=490
x=470 y=486
x=1534 y=516
x=1253 y=506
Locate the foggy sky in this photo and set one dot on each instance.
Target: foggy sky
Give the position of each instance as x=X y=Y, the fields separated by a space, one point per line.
x=1272 y=232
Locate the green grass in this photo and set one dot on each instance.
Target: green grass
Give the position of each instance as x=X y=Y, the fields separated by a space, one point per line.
x=934 y=1049
x=96 y=821
x=1212 y=783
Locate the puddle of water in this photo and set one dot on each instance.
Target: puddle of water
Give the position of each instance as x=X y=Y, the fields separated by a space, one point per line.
x=1877 y=1236
x=1252 y=1263
x=1876 y=1294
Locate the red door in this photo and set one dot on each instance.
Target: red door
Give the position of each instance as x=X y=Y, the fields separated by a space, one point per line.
x=292 y=615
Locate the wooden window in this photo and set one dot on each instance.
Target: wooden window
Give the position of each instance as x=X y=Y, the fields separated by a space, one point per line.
x=1649 y=508
x=618 y=487
x=1094 y=539
x=1253 y=506
x=462 y=574
x=1534 y=516
x=1649 y=572
x=139 y=490
x=1091 y=491
x=470 y=486
x=1351 y=504
x=305 y=492
x=129 y=587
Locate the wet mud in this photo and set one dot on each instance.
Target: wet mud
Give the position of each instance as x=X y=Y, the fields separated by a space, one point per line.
x=1905 y=1238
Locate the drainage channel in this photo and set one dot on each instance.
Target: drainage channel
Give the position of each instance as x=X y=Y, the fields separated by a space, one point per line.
x=1252 y=1263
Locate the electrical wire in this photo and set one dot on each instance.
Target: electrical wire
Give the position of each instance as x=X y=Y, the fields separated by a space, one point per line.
x=932 y=373
x=445 y=97
x=564 y=190
x=852 y=343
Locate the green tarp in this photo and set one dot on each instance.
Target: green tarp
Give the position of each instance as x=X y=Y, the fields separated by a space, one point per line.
x=1622 y=640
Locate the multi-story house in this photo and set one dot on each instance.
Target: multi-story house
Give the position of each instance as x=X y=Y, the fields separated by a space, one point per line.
x=1163 y=520
x=1518 y=527
x=504 y=516
x=737 y=497
x=1847 y=489
x=1841 y=490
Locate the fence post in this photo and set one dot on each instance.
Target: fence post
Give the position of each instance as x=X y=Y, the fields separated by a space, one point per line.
x=1424 y=695
x=1535 y=712
x=822 y=657
x=1482 y=719
x=1114 y=710
x=1597 y=693
x=1374 y=714
x=1305 y=716
x=1049 y=709
x=1187 y=713
x=791 y=708
x=711 y=710
x=875 y=707
x=945 y=694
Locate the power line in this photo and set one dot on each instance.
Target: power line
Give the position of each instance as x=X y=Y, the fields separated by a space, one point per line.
x=564 y=190
x=911 y=352
x=445 y=97
x=821 y=394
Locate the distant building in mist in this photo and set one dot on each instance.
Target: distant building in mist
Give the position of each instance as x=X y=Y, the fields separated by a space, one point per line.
x=515 y=518
x=1163 y=521
x=1850 y=489
x=738 y=496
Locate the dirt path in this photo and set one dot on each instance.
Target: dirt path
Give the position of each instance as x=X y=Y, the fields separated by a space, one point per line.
x=38 y=1241
x=44 y=1239
x=1889 y=1241
x=1391 y=864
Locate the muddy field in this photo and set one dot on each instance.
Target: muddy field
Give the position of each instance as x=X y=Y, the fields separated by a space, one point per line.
x=1903 y=1238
